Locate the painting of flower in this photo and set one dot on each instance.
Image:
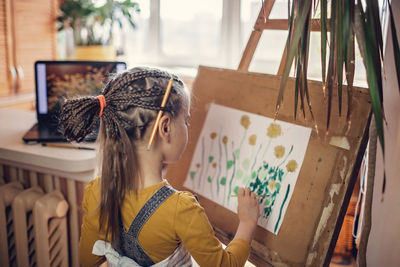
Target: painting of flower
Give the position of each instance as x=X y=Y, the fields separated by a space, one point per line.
x=291 y=166
x=252 y=140
x=245 y=121
x=279 y=151
x=274 y=130
x=228 y=157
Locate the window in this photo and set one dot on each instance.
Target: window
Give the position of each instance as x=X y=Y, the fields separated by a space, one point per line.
x=176 y=33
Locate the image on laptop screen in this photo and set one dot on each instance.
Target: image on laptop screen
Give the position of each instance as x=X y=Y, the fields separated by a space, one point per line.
x=59 y=80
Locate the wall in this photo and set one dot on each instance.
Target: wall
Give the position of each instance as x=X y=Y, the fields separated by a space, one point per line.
x=384 y=241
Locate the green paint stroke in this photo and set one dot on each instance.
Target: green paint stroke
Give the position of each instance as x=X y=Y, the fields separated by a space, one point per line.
x=202 y=162
x=223 y=179
x=192 y=176
x=239 y=174
x=229 y=164
x=246 y=164
x=236 y=190
x=255 y=158
x=209 y=179
x=287 y=155
x=280 y=211
x=210 y=157
x=213 y=179
x=219 y=160
x=266 y=149
x=233 y=173
x=236 y=154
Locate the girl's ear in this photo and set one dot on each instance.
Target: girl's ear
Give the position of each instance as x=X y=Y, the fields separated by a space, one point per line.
x=164 y=128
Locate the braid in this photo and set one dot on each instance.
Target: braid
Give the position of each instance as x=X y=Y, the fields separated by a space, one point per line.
x=129 y=77
x=126 y=92
x=78 y=117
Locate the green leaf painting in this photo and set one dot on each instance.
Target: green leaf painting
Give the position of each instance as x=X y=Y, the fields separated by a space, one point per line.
x=223 y=181
x=238 y=149
x=229 y=164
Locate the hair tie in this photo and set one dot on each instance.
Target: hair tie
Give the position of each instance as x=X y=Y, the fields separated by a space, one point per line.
x=102 y=101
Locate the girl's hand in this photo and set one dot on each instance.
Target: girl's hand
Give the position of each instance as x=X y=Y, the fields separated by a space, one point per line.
x=248 y=207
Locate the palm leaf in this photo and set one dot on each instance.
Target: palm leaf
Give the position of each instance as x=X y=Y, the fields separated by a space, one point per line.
x=396 y=49
x=375 y=37
x=324 y=13
x=339 y=47
x=373 y=7
x=367 y=49
x=332 y=62
x=349 y=58
x=305 y=70
x=299 y=23
x=296 y=87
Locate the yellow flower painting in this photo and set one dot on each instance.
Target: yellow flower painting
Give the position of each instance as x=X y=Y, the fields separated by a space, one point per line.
x=252 y=139
x=279 y=151
x=245 y=121
x=225 y=140
x=213 y=135
x=271 y=185
x=291 y=166
x=274 y=130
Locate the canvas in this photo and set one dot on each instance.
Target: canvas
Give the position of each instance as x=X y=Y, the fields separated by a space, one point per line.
x=240 y=149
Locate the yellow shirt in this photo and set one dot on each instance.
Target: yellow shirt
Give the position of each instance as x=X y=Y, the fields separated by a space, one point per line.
x=179 y=219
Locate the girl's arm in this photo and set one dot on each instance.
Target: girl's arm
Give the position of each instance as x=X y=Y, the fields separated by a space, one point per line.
x=197 y=235
x=248 y=212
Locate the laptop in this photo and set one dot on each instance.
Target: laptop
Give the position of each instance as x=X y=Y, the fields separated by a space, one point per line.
x=57 y=80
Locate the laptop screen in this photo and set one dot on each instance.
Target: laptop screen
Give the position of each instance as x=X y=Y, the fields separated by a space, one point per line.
x=56 y=80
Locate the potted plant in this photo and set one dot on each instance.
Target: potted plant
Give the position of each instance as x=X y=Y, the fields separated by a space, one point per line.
x=92 y=24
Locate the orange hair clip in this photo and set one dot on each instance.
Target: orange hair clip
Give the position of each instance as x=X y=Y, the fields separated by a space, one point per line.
x=102 y=101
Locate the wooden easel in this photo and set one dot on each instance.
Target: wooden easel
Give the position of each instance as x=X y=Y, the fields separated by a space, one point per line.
x=263 y=22
x=315 y=213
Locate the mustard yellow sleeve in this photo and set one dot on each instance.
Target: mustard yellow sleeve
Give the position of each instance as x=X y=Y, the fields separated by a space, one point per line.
x=194 y=230
x=90 y=227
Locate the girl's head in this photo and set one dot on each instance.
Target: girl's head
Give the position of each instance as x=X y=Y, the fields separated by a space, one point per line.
x=132 y=101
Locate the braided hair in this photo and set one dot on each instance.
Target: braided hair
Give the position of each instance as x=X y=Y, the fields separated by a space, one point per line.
x=133 y=99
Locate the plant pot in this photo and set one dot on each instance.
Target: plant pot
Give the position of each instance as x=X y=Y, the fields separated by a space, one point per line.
x=95 y=52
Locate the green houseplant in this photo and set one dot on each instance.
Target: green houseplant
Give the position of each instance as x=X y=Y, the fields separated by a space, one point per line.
x=92 y=23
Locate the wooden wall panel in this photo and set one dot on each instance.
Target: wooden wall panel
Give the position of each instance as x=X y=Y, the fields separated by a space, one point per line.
x=34 y=32
x=4 y=85
x=27 y=33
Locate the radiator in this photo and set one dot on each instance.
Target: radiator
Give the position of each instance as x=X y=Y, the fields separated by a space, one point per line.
x=8 y=255
x=22 y=207
x=39 y=218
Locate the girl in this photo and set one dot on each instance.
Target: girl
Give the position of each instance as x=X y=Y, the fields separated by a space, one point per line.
x=132 y=216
